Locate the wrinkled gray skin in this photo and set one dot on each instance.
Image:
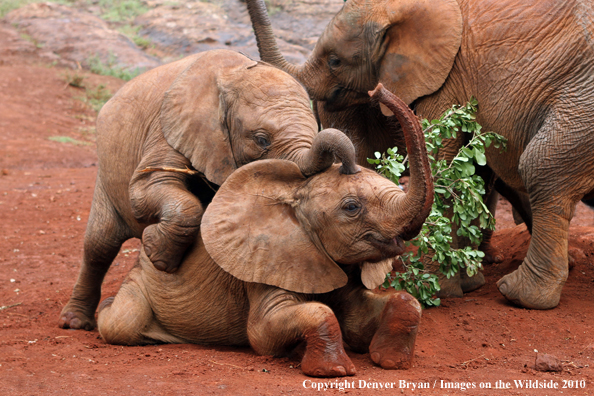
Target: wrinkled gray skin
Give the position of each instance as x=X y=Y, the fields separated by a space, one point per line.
x=530 y=64
x=212 y=112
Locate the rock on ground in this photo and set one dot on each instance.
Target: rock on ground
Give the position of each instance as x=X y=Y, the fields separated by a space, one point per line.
x=545 y=362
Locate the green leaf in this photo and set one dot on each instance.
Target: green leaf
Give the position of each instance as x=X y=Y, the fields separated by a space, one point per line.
x=480 y=157
x=459 y=191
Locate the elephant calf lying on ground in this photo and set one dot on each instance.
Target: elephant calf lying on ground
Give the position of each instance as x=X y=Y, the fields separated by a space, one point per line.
x=214 y=112
x=282 y=259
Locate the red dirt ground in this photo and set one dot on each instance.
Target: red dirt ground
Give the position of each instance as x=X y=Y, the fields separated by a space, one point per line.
x=45 y=196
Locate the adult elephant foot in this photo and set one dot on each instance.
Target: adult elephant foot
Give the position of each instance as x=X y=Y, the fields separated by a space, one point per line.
x=470 y=283
x=449 y=288
x=393 y=345
x=534 y=289
x=77 y=317
x=492 y=253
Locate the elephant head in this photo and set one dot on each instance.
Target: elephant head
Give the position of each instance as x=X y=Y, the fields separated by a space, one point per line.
x=241 y=111
x=407 y=45
x=270 y=224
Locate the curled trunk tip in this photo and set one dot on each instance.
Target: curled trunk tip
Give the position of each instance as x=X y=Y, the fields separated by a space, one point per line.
x=420 y=193
x=328 y=144
x=376 y=93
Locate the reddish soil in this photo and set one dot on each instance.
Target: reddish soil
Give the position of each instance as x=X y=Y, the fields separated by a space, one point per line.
x=45 y=195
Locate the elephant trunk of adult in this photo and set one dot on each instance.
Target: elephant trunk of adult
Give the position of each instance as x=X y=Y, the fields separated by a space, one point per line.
x=267 y=46
x=326 y=145
x=419 y=198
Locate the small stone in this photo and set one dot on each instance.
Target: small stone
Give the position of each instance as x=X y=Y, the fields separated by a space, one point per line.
x=545 y=362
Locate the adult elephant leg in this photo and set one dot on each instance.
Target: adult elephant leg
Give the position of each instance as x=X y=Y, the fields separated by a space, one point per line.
x=449 y=287
x=554 y=187
x=385 y=325
x=279 y=320
x=492 y=254
x=105 y=234
x=163 y=198
x=537 y=283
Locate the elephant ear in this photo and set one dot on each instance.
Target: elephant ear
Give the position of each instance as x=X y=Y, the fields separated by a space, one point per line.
x=192 y=121
x=251 y=230
x=424 y=37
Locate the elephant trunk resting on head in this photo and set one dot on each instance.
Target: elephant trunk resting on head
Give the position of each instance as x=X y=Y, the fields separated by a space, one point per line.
x=212 y=112
x=530 y=65
x=282 y=259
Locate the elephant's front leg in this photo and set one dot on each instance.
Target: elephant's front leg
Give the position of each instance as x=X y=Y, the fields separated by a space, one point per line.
x=279 y=320
x=162 y=198
x=386 y=325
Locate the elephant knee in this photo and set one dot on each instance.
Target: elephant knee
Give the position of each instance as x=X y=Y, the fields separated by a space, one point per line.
x=278 y=330
x=404 y=311
x=121 y=319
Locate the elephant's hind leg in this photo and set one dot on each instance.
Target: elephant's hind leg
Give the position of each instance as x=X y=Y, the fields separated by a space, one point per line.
x=384 y=325
x=105 y=234
x=556 y=168
x=279 y=320
x=128 y=319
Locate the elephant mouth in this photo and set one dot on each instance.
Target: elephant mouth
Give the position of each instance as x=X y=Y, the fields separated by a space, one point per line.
x=386 y=247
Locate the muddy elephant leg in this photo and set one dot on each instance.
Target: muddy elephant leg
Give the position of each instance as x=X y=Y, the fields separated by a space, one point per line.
x=386 y=325
x=128 y=319
x=105 y=234
x=279 y=320
x=555 y=184
x=162 y=198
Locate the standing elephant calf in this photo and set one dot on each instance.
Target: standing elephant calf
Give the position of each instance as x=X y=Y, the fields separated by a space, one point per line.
x=213 y=112
x=282 y=259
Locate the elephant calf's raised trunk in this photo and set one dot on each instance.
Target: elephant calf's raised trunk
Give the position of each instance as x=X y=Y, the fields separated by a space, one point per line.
x=327 y=144
x=419 y=198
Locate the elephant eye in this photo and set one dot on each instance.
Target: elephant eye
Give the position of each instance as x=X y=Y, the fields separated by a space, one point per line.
x=351 y=207
x=262 y=141
x=333 y=61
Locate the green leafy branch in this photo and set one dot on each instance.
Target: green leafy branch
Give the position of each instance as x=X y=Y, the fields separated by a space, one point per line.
x=458 y=193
